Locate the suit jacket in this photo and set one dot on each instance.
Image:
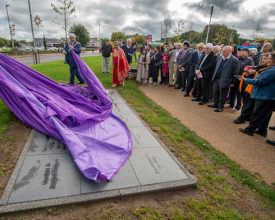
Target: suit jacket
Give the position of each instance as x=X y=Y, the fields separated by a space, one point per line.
x=69 y=57
x=230 y=68
x=184 y=58
x=208 y=66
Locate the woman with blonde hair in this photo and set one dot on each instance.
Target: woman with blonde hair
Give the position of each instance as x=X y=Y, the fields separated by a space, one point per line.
x=120 y=66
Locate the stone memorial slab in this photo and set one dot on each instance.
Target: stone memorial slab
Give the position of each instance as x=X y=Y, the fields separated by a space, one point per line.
x=45 y=174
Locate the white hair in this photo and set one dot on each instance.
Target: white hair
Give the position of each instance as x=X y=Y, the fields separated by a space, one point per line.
x=217 y=47
x=209 y=45
x=72 y=35
x=254 y=51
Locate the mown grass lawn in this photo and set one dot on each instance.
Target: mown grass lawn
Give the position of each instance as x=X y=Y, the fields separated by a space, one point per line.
x=225 y=191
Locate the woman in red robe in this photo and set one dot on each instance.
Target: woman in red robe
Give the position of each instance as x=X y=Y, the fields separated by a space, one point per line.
x=120 y=66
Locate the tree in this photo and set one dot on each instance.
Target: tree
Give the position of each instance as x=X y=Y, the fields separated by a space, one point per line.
x=166 y=26
x=118 y=36
x=139 y=38
x=4 y=42
x=65 y=12
x=193 y=37
x=45 y=43
x=81 y=32
x=273 y=44
x=219 y=33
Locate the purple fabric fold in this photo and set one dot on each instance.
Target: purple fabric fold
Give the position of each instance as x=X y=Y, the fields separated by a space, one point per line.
x=81 y=117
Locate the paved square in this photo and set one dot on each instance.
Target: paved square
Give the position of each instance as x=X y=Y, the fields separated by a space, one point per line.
x=45 y=174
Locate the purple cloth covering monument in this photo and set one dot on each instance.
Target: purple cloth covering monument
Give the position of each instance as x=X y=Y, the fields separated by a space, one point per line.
x=99 y=142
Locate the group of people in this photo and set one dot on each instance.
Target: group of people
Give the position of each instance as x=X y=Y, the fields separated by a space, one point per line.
x=212 y=74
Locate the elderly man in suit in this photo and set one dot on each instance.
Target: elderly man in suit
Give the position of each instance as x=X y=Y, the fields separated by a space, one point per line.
x=195 y=59
x=70 y=46
x=183 y=61
x=204 y=73
x=226 y=69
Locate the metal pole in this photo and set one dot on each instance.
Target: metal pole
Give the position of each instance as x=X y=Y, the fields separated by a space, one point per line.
x=211 y=12
x=99 y=31
x=34 y=48
x=12 y=43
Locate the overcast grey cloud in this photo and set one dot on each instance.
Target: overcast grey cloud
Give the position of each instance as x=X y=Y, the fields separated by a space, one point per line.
x=142 y=16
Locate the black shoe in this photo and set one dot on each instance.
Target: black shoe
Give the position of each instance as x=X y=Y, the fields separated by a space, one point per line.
x=183 y=89
x=196 y=99
x=270 y=142
x=245 y=131
x=262 y=133
x=212 y=106
x=186 y=95
x=202 y=102
x=218 y=110
x=81 y=83
x=238 y=121
x=272 y=128
x=177 y=87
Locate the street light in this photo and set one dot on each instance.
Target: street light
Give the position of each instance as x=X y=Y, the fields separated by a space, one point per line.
x=211 y=13
x=12 y=43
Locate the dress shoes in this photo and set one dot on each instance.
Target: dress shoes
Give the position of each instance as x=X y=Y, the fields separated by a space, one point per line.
x=177 y=87
x=196 y=99
x=202 y=102
x=238 y=121
x=218 y=110
x=186 y=95
x=245 y=131
x=270 y=142
x=262 y=133
x=272 y=128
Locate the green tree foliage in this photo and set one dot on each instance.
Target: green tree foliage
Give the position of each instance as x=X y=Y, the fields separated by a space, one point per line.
x=139 y=38
x=81 y=33
x=273 y=44
x=193 y=37
x=4 y=42
x=220 y=34
x=117 y=36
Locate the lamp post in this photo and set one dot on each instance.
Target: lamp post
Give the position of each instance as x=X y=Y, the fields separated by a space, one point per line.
x=12 y=43
x=35 y=55
x=211 y=13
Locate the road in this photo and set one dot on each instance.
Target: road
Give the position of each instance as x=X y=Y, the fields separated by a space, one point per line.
x=28 y=60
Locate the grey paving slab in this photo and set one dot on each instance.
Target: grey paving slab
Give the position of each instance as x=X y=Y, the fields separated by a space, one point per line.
x=124 y=179
x=45 y=174
x=153 y=165
x=49 y=145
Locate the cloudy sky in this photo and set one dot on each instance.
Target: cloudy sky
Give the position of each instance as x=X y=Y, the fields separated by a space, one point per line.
x=142 y=16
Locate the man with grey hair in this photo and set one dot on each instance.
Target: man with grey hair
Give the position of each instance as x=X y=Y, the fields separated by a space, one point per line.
x=204 y=73
x=195 y=59
x=128 y=50
x=226 y=68
x=70 y=46
x=217 y=50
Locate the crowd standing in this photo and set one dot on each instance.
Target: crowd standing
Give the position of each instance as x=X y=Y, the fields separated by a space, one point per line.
x=214 y=75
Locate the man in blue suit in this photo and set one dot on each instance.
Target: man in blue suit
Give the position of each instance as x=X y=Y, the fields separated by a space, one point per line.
x=75 y=46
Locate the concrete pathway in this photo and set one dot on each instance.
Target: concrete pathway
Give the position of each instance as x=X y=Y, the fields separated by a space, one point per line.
x=252 y=153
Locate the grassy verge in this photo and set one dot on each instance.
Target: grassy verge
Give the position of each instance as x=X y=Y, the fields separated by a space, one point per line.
x=225 y=190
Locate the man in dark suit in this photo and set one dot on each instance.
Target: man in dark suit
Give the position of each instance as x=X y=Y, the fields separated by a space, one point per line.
x=226 y=68
x=183 y=61
x=72 y=45
x=128 y=50
x=204 y=74
x=195 y=59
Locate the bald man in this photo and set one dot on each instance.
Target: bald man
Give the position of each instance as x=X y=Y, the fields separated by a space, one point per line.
x=226 y=68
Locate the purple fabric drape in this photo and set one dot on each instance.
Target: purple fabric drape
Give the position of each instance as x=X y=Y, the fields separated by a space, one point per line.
x=99 y=142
